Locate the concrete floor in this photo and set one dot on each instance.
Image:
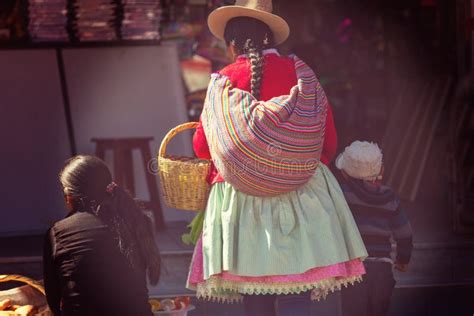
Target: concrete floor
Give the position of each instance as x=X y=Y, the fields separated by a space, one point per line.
x=440 y=280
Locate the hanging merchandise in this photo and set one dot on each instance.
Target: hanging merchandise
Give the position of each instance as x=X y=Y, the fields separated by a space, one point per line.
x=95 y=20
x=141 y=19
x=48 y=20
x=12 y=20
x=213 y=49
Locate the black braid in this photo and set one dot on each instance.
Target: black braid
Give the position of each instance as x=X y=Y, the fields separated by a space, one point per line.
x=257 y=61
x=250 y=36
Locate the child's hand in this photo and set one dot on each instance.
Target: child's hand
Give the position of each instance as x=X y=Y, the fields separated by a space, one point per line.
x=402 y=267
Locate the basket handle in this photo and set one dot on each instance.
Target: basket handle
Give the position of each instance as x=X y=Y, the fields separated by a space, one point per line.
x=178 y=129
x=19 y=278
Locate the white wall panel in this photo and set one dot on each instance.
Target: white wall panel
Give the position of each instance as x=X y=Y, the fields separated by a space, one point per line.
x=127 y=92
x=33 y=141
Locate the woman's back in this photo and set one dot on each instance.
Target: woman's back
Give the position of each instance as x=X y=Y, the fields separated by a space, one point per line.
x=279 y=77
x=279 y=74
x=87 y=274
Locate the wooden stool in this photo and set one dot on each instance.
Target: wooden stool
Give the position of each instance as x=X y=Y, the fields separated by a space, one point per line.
x=122 y=149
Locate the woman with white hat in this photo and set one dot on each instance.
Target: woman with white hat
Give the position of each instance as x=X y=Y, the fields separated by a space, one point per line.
x=276 y=221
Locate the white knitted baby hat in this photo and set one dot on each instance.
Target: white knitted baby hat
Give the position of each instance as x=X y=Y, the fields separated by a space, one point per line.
x=361 y=160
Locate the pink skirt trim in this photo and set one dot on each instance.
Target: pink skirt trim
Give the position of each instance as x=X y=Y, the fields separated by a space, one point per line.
x=347 y=269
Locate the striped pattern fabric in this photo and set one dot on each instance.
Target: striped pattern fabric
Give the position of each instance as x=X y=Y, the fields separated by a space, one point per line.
x=380 y=218
x=266 y=148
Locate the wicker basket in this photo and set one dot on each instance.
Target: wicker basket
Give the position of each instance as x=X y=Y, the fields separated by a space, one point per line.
x=34 y=284
x=183 y=179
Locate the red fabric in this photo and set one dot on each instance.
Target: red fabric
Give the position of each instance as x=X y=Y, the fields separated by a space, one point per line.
x=279 y=76
x=276 y=67
x=330 y=139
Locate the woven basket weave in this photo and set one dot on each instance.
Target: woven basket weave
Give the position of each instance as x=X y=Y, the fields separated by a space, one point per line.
x=34 y=284
x=183 y=179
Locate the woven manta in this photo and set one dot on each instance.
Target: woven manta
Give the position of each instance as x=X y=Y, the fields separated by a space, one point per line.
x=266 y=148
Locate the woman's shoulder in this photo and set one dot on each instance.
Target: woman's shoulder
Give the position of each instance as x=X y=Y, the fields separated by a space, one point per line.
x=272 y=57
x=240 y=65
x=75 y=220
x=280 y=63
x=238 y=73
x=277 y=58
x=274 y=62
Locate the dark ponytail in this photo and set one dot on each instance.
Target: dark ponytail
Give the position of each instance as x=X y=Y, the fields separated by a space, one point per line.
x=250 y=36
x=87 y=180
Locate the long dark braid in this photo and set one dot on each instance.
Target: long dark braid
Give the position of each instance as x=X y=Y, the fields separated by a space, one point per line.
x=257 y=61
x=250 y=36
x=85 y=179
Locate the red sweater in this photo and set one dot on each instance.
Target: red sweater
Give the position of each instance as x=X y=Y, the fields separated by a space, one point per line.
x=279 y=76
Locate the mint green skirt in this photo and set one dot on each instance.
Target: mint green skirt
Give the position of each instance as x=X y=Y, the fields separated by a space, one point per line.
x=286 y=234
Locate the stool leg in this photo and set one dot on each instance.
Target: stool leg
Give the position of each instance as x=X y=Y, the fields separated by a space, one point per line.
x=100 y=151
x=152 y=188
x=118 y=166
x=129 y=179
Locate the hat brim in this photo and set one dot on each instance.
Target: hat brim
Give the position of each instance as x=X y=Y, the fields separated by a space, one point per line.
x=218 y=19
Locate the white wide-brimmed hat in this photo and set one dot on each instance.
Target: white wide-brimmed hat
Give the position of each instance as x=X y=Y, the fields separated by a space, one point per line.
x=361 y=160
x=257 y=9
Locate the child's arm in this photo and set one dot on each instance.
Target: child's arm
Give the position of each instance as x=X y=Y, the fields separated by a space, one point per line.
x=200 y=146
x=330 y=139
x=403 y=235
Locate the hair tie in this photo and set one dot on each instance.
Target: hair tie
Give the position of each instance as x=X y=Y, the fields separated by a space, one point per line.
x=111 y=187
x=248 y=44
x=266 y=41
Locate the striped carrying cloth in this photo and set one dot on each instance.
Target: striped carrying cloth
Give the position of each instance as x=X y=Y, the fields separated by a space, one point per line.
x=266 y=148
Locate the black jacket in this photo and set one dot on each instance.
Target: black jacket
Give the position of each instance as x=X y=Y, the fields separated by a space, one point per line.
x=86 y=274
